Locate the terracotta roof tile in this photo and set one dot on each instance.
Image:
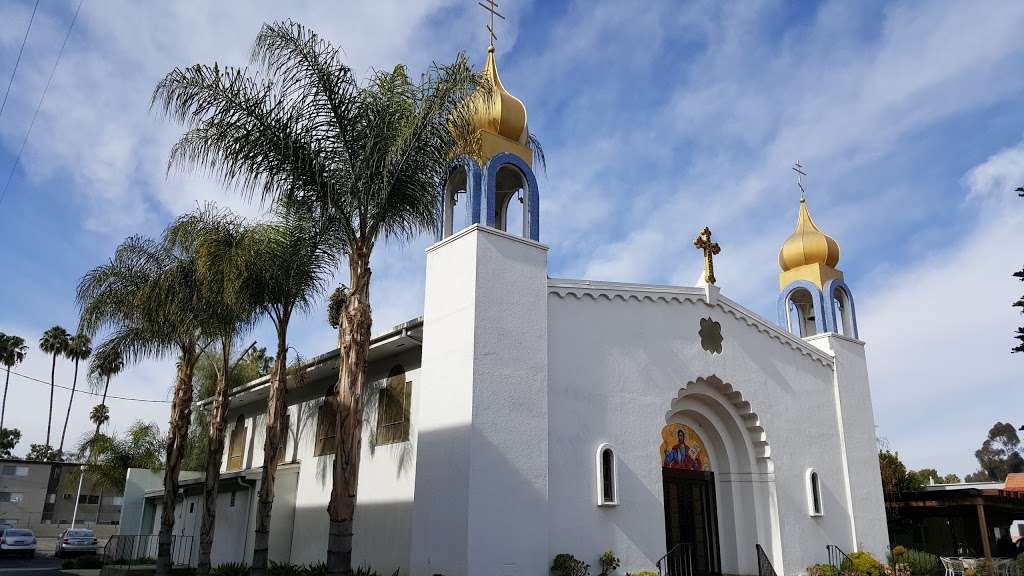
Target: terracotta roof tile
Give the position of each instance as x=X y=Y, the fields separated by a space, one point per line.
x=1014 y=483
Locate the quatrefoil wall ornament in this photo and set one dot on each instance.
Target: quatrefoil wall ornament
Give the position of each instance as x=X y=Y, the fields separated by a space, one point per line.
x=710 y=335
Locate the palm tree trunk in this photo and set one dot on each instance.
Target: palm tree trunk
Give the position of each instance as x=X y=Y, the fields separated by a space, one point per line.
x=74 y=384
x=3 y=406
x=99 y=506
x=49 y=415
x=218 y=421
x=273 y=442
x=354 y=343
x=177 y=440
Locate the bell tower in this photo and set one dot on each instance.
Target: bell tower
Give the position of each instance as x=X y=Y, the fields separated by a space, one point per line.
x=814 y=297
x=497 y=187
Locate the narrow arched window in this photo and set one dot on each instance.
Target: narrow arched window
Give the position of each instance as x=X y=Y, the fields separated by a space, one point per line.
x=813 y=493
x=607 y=483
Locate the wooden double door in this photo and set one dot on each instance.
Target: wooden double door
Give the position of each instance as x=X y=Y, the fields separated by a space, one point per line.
x=691 y=520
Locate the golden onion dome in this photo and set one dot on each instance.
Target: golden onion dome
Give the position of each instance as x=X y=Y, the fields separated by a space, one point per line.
x=502 y=114
x=807 y=244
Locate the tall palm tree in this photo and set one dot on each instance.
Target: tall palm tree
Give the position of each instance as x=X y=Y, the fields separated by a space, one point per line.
x=12 y=352
x=150 y=299
x=214 y=235
x=55 y=341
x=288 y=264
x=107 y=362
x=79 y=348
x=367 y=160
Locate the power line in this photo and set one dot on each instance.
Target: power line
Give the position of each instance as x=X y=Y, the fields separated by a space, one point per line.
x=18 y=59
x=79 y=390
x=42 y=96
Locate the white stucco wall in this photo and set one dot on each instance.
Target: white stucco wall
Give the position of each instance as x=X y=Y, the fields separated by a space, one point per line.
x=619 y=355
x=482 y=460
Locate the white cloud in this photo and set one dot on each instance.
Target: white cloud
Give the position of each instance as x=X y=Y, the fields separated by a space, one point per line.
x=939 y=331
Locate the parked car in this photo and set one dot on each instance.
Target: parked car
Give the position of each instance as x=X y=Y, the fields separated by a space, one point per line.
x=18 y=541
x=76 y=541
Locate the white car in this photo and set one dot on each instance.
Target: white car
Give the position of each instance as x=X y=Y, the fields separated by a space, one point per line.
x=76 y=541
x=18 y=541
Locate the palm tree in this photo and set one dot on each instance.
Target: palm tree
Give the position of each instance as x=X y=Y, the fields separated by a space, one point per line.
x=297 y=257
x=106 y=363
x=214 y=236
x=12 y=352
x=79 y=348
x=55 y=341
x=368 y=161
x=150 y=299
x=110 y=457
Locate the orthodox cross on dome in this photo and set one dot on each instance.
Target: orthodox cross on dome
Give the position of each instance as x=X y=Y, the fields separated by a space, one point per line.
x=800 y=178
x=711 y=249
x=491 y=6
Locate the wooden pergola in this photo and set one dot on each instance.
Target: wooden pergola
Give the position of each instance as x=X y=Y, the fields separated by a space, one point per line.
x=971 y=518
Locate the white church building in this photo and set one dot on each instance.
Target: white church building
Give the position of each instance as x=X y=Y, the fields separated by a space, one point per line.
x=524 y=416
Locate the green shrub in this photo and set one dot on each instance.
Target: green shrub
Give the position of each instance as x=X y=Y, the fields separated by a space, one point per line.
x=315 y=569
x=609 y=563
x=68 y=564
x=1020 y=563
x=822 y=570
x=920 y=563
x=568 y=565
x=230 y=569
x=90 y=562
x=864 y=564
x=284 y=569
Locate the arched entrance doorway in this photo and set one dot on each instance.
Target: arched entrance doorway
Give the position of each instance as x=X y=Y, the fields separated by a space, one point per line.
x=717 y=479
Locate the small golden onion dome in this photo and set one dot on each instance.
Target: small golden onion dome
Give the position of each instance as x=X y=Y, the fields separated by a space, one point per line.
x=502 y=114
x=807 y=244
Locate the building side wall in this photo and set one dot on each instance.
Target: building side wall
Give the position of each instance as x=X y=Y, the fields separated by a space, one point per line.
x=32 y=488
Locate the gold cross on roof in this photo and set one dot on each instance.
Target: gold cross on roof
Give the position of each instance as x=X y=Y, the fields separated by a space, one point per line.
x=703 y=242
x=491 y=6
x=800 y=177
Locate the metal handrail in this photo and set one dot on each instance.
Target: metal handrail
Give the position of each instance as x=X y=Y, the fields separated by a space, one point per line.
x=764 y=565
x=838 y=560
x=677 y=562
x=141 y=549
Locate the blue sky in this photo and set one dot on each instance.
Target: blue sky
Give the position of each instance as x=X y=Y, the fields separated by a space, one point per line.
x=657 y=118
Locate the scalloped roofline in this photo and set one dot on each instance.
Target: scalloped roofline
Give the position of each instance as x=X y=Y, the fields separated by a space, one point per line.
x=562 y=287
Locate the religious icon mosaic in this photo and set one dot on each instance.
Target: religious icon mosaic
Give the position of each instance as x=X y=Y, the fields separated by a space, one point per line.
x=683 y=449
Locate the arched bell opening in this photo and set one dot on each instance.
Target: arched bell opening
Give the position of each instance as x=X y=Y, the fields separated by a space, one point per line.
x=459 y=198
x=511 y=201
x=801 y=310
x=844 y=316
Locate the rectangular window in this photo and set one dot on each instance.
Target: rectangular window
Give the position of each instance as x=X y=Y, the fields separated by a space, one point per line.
x=17 y=497
x=94 y=499
x=67 y=496
x=83 y=498
x=13 y=470
x=5 y=496
x=393 y=402
x=51 y=498
x=326 y=421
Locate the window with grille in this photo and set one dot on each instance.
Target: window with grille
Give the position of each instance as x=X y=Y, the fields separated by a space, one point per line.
x=13 y=470
x=326 y=421
x=394 y=399
x=236 y=447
